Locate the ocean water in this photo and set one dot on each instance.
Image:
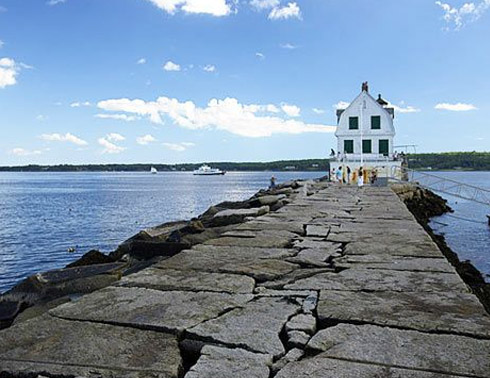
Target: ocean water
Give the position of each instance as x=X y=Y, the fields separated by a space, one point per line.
x=466 y=230
x=43 y=215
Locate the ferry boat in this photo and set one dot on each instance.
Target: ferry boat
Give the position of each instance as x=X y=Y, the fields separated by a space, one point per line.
x=153 y=171
x=206 y=170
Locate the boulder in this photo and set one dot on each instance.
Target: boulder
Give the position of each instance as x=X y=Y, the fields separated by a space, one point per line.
x=92 y=257
x=8 y=312
x=145 y=250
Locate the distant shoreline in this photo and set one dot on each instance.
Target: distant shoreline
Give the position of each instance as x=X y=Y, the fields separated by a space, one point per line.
x=449 y=161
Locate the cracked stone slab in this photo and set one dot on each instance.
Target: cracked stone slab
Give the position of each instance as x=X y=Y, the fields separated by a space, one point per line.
x=428 y=249
x=170 y=311
x=317 y=230
x=321 y=366
x=317 y=244
x=171 y=280
x=313 y=257
x=217 y=362
x=387 y=262
x=297 y=339
x=212 y=258
x=262 y=239
x=444 y=354
x=388 y=237
x=430 y=312
x=48 y=345
x=381 y=280
x=260 y=263
x=302 y=322
x=263 y=225
x=254 y=327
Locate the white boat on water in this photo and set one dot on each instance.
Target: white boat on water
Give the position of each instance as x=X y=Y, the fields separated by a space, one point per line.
x=206 y=170
x=153 y=171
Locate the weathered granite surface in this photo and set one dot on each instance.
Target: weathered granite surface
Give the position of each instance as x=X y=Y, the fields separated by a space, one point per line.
x=328 y=281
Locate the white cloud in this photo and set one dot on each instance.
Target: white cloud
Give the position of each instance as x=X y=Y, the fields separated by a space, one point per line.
x=260 y=55
x=178 y=147
x=288 y=46
x=318 y=111
x=468 y=12
x=227 y=115
x=209 y=68
x=264 y=4
x=41 y=117
x=289 y=11
x=55 y=2
x=55 y=137
x=115 y=137
x=341 y=105
x=405 y=109
x=459 y=107
x=1 y=43
x=291 y=110
x=141 y=61
x=8 y=72
x=79 y=104
x=216 y=8
x=145 y=139
x=109 y=148
x=26 y=66
x=171 y=66
x=23 y=152
x=121 y=117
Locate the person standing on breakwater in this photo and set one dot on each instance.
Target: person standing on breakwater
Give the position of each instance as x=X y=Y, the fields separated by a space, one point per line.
x=273 y=183
x=360 y=178
x=338 y=174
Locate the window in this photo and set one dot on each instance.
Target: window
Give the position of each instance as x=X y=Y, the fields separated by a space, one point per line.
x=384 y=147
x=366 y=146
x=353 y=123
x=375 y=122
x=348 y=146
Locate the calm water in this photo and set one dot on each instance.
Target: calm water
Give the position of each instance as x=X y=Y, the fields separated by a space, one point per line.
x=42 y=215
x=469 y=238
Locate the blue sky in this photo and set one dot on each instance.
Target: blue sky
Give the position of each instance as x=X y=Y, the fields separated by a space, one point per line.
x=165 y=81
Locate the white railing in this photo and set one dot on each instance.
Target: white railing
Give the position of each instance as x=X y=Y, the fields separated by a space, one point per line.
x=442 y=185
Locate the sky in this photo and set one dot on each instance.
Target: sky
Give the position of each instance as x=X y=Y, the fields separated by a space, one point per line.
x=168 y=81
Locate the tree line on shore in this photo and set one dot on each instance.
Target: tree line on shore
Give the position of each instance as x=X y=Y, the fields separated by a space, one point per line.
x=477 y=161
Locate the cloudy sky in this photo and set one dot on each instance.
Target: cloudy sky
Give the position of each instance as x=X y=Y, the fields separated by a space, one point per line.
x=89 y=81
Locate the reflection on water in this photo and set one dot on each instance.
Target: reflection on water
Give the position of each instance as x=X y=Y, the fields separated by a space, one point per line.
x=42 y=215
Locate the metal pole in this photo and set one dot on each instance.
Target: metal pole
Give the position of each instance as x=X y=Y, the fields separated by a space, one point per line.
x=361 y=119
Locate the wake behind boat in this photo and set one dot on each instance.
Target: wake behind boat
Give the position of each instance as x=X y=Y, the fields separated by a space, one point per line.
x=206 y=170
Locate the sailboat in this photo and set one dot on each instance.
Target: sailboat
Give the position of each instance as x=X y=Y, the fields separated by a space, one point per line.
x=153 y=171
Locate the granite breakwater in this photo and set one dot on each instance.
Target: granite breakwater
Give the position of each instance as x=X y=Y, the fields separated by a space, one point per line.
x=309 y=279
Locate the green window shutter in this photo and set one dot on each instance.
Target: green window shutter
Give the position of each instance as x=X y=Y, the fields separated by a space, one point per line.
x=348 y=146
x=384 y=146
x=376 y=122
x=366 y=146
x=353 y=123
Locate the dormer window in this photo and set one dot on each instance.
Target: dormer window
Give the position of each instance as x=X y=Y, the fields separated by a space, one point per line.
x=353 y=123
x=375 y=122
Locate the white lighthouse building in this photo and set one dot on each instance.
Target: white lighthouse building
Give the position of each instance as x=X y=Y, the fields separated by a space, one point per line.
x=365 y=135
